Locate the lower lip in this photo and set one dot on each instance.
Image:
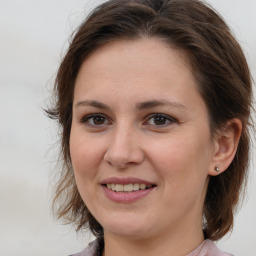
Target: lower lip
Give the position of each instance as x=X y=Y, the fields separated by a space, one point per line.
x=126 y=197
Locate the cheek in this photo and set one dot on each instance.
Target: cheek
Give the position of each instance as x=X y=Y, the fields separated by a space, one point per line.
x=85 y=154
x=182 y=159
x=182 y=165
x=85 y=158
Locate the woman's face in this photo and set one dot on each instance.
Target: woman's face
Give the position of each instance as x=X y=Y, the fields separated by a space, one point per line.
x=140 y=140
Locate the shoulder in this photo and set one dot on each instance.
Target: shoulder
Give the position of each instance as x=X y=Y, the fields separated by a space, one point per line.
x=88 y=251
x=93 y=249
x=208 y=248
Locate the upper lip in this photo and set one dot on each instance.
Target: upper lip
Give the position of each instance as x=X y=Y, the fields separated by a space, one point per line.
x=125 y=181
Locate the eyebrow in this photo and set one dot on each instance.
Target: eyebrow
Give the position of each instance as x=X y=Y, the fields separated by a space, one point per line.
x=92 y=103
x=140 y=106
x=157 y=103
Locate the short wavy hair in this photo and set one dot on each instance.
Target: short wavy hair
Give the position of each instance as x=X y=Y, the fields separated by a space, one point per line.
x=219 y=67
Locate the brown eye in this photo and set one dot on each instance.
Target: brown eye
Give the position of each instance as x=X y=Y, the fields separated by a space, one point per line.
x=95 y=120
x=160 y=120
x=98 y=120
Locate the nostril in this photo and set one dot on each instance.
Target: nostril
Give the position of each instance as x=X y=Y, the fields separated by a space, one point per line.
x=123 y=158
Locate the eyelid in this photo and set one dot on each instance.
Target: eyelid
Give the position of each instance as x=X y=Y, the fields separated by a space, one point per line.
x=84 y=119
x=168 y=118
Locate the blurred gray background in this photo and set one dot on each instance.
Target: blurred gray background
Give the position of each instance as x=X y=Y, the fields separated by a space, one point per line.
x=33 y=38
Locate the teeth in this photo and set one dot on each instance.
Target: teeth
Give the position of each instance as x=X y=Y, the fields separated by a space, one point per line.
x=136 y=187
x=142 y=186
x=128 y=187
x=119 y=188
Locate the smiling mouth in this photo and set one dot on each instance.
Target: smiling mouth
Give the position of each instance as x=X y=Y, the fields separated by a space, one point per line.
x=128 y=187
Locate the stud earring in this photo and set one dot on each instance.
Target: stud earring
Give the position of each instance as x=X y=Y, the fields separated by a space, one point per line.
x=216 y=168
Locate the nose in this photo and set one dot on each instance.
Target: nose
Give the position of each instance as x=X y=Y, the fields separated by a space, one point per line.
x=124 y=148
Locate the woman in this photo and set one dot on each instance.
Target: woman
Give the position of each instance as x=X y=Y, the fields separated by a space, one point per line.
x=153 y=98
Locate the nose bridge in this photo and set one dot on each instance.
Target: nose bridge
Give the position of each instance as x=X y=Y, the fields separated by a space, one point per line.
x=123 y=148
x=122 y=136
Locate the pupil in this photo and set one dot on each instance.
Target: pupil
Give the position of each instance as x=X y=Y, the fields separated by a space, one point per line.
x=160 y=120
x=98 y=120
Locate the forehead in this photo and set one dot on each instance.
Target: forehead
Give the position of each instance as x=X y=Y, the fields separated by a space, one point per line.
x=126 y=61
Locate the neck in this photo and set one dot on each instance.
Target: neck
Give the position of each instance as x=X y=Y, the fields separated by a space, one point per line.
x=175 y=243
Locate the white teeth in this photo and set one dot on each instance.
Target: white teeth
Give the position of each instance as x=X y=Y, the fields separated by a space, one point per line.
x=128 y=187
x=142 y=186
x=136 y=187
x=119 y=187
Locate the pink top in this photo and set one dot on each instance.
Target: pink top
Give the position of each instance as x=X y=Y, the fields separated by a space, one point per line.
x=206 y=248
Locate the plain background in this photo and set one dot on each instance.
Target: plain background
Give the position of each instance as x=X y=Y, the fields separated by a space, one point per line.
x=33 y=38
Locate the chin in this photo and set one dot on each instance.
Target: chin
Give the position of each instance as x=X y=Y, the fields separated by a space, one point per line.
x=131 y=233
x=131 y=229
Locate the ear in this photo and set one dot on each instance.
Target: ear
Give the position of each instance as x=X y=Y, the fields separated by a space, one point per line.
x=225 y=146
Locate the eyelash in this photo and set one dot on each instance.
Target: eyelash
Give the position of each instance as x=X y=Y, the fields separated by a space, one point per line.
x=92 y=117
x=166 y=118
x=86 y=120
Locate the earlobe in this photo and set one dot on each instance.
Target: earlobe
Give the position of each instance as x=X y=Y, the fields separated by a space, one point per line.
x=225 y=146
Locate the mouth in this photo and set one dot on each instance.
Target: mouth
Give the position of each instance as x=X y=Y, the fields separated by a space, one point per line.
x=128 y=188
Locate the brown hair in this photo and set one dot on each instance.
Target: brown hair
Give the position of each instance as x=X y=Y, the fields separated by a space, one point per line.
x=220 y=69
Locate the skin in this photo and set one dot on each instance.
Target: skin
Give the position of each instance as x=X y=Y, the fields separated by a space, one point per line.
x=177 y=152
